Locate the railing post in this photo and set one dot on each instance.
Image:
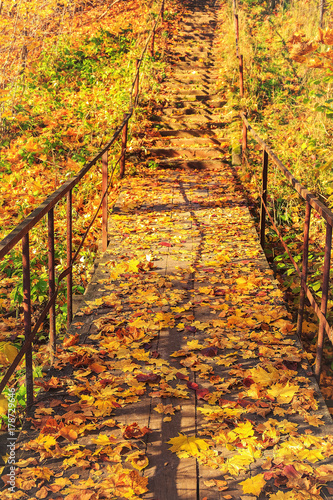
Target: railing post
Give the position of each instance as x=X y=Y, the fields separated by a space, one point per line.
x=152 y=40
x=264 y=198
x=322 y=10
x=105 y=201
x=305 y=263
x=244 y=140
x=241 y=76
x=162 y=11
x=324 y=299
x=237 y=31
x=51 y=266
x=69 y=259
x=123 y=148
x=136 y=86
x=27 y=320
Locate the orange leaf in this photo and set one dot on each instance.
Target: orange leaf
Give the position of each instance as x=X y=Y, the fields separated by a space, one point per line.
x=133 y=431
x=68 y=433
x=42 y=493
x=97 y=368
x=71 y=340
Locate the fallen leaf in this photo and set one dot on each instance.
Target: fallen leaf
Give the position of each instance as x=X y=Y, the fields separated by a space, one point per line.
x=190 y=444
x=133 y=431
x=253 y=485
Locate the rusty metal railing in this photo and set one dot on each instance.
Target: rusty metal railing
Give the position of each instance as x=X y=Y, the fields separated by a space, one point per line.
x=311 y=203
x=21 y=233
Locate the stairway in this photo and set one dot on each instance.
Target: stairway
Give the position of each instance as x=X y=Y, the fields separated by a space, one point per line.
x=190 y=129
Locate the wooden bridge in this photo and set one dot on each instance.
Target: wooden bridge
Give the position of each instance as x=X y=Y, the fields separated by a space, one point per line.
x=181 y=376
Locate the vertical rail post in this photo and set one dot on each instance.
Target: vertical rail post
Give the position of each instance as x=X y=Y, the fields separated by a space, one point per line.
x=237 y=33
x=237 y=26
x=51 y=266
x=136 y=86
x=305 y=263
x=264 y=198
x=324 y=299
x=241 y=76
x=123 y=148
x=105 y=201
x=244 y=140
x=322 y=10
x=162 y=11
x=27 y=320
x=69 y=259
x=152 y=40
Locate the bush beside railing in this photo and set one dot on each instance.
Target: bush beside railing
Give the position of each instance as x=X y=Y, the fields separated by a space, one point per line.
x=21 y=233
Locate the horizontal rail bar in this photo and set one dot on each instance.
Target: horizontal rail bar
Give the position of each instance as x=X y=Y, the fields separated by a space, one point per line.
x=325 y=212
x=29 y=222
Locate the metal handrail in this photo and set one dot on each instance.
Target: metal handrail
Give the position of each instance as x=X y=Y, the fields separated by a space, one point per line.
x=312 y=202
x=21 y=232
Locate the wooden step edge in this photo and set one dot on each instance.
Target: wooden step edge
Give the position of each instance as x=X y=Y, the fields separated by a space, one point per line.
x=191 y=133
x=195 y=164
x=185 y=148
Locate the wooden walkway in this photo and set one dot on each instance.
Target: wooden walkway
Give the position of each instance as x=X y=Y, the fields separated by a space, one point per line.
x=181 y=377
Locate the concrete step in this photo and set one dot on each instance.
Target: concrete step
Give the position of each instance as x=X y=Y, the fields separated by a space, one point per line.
x=200 y=102
x=197 y=62
x=175 y=111
x=174 y=96
x=187 y=133
x=188 y=121
x=190 y=89
x=208 y=153
x=194 y=142
x=192 y=164
x=187 y=70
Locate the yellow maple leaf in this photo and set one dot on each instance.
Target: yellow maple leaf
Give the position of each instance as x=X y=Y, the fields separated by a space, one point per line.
x=285 y=426
x=312 y=456
x=266 y=376
x=314 y=420
x=200 y=325
x=104 y=440
x=283 y=393
x=3 y=405
x=9 y=350
x=254 y=485
x=167 y=409
x=190 y=444
x=138 y=460
x=244 y=430
x=239 y=462
x=46 y=441
x=281 y=495
x=194 y=344
x=62 y=481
